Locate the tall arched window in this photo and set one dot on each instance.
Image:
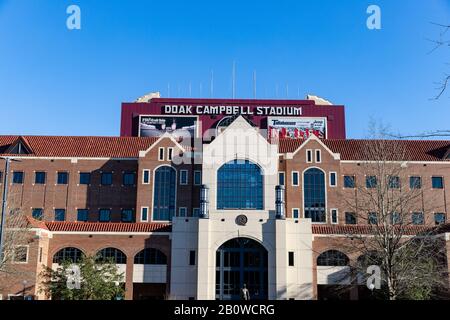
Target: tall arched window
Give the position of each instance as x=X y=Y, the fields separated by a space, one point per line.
x=164 y=195
x=332 y=258
x=314 y=195
x=69 y=254
x=111 y=255
x=150 y=256
x=239 y=186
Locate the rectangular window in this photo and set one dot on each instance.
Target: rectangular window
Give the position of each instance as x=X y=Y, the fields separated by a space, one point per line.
x=62 y=178
x=295 y=213
x=281 y=178
x=169 y=154
x=40 y=254
x=21 y=254
x=333 y=177
x=1 y=176
x=350 y=218
x=349 y=182
x=439 y=218
x=394 y=182
x=418 y=218
x=60 y=214
x=415 y=182
x=18 y=177
x=395 y=218
x=318 y=156
x=437 y=182
x=127 y=215
x=372 y=218
x=183 y=177
x=161 y=154
x=37 y=213
x=309 y=156
x=334 y=216
x=291 y=259
x=371 y=182
x=295 y=181
x=144 y=214
x=129 y=178
x=104 y=215
x=192 y=258
x=39 y=177
x=82 y=215
x=106 y=178
x=197 y=177
x=85 y=178
x=146 y=176
x=196 y=212
x=182 y=212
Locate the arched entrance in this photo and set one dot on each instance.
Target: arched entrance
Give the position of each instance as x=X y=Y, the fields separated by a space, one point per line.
x=241 y=261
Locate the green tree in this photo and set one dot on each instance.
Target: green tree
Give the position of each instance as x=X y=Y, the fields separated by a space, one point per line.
x=98 y=280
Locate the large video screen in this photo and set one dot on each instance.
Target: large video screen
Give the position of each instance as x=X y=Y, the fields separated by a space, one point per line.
x=296 y=128
x=178 y=126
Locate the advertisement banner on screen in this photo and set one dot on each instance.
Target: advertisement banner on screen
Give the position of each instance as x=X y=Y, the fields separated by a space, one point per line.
x=296 y=128
x=179 y=126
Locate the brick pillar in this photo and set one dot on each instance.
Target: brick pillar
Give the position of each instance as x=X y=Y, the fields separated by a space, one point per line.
x=129 y=280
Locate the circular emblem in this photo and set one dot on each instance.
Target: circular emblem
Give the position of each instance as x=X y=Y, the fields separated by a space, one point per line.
x=241 y=220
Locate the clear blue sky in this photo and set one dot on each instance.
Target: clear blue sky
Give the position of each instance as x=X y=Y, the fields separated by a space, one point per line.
x=59 y=82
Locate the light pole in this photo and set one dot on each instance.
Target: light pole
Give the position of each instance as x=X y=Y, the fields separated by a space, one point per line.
x=4 y=203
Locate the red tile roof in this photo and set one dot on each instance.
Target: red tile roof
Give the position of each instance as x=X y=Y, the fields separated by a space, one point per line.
x=129 y=147
x=105 y=227
x=414 y=150
x=358 y=230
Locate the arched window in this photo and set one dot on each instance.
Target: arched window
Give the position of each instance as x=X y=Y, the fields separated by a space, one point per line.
x=314 y=195
x=111 y=255
x=332 y=258
x=72 y=255
x=150 y=256
x=164 y=194
x=239 y=186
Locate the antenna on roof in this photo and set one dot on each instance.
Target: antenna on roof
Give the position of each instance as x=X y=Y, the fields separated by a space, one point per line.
x=254 y=84
x=233 y=84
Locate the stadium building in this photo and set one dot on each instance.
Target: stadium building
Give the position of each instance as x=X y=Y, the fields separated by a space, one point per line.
x=197 y=197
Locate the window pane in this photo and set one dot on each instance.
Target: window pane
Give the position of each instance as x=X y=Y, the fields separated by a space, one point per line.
x=373 y=218
x=350 y=218
x=18 y=177
x=415 y=182
x=63 y=178
x=82 y=215
x=128 y=178
x=106 y=178
x=164 y=201
x=437 y=182
x=332 y=179
x=146 y=176
x=349 y=182
x=39 y=177
x=295 y=178
x=394 y=182
x=197 y=178
x=104 y=215
x=371 y=182
x=37 y=213
x=60 y=214
x=127 y=215
x=439 y=218
x=85 y=178
x=239 y=186
x=418 y=218
x=281 y=178
x=144 y=214
x=314 y=195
